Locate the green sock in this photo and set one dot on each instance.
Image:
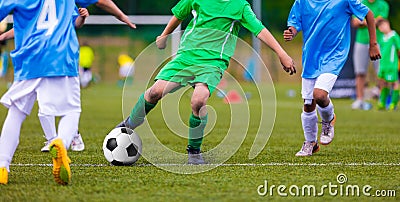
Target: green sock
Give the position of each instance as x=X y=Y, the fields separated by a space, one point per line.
x=139 y=112
x=384 y=95
x=395 y=97
x=196 y=131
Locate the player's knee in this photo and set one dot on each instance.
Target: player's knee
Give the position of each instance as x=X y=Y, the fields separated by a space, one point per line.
x=153 y=95
x=321 y=98
x=198 y=103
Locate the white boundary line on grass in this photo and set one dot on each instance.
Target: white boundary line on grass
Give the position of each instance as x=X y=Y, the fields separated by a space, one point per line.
x=225 y=165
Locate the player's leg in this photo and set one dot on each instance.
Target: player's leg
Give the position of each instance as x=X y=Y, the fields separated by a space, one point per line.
x=309 y=119
x=68 y=127
x=197 y=122
x=147 y=101
x=385 y=91
x=323 y=87
x=48 y=123
x=395 y=96
x=67 y=105
x=20 y=99
x=9 y=140
x=361 y=61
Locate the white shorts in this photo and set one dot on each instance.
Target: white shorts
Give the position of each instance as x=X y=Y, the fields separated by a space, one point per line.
x=361 y=59
x=56 y=96
x=126 y=70
x=324 y=81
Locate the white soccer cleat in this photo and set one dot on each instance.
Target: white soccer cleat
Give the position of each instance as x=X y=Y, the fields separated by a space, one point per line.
x=77 y=143
x=308 y=149
x=46 y=147
x=328 y=131
x=358 y=104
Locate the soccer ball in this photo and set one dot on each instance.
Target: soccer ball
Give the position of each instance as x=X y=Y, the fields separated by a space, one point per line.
x=122 y=147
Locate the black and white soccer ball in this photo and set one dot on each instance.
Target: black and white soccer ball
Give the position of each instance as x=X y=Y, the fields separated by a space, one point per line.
x=122 y=147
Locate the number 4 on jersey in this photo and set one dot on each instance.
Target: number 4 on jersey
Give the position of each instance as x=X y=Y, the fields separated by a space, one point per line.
x=48 y=17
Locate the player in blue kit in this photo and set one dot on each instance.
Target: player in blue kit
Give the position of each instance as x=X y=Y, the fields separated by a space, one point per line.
x=45 y=69
x=326 y=43
x=48 y=121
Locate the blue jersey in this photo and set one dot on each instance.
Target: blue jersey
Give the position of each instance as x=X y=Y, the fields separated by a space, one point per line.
x=326 y=32
x=75 y=15
x=46 y=44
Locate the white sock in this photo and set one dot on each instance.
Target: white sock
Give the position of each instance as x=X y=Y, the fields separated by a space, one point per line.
x=309 y=121
x=10 y=133
x=48 y=123
x=326 y=113
x=68 y=128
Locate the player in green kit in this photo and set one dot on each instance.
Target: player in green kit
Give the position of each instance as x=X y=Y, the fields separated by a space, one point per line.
x=388 y=68
x=206 y=47
x=361 y=59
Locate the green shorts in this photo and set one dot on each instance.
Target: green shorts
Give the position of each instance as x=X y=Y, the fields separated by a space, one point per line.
x=184 y=73
x=388 y=74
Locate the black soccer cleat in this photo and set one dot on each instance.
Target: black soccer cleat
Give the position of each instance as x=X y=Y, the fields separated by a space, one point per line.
x=195 y=157
x=124 y=124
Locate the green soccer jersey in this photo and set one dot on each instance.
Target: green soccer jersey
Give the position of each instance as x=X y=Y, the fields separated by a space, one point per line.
x=380 y=8
x=388 y=67
x=210 y=38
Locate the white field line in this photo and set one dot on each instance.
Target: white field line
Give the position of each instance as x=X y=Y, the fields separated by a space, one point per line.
x=226 y=164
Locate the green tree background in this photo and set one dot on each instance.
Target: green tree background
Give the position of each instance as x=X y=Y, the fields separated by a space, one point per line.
x=109 y=41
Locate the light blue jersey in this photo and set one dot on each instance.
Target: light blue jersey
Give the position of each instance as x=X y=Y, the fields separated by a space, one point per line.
x=46 y=44
x=326 y=32
x=75 y=15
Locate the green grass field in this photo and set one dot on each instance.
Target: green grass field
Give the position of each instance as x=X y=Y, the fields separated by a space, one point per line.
x=366 y=149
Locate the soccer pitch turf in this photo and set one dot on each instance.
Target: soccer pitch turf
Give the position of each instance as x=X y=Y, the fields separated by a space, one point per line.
x=364 y=153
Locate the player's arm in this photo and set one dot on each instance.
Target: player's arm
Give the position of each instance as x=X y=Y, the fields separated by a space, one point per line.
x=180 y=12
x=7 y=35
x=374 y=52
x=80 y=20
x=110 y=7
x=286 y=61
x=161 y=40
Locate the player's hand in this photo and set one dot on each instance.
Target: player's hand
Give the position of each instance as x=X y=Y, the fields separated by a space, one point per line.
x=126 y=20
x=289 y=34
x=161 y=42
x=287 y=64
x=374 y=52
x=83 y=12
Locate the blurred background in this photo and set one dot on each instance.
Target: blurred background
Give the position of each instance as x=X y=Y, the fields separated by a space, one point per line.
x=110 y=41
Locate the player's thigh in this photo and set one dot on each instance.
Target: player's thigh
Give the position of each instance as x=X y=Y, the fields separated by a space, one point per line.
x=162 y=87
x=210 y=77
x=59 y=96
x=361 y=58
